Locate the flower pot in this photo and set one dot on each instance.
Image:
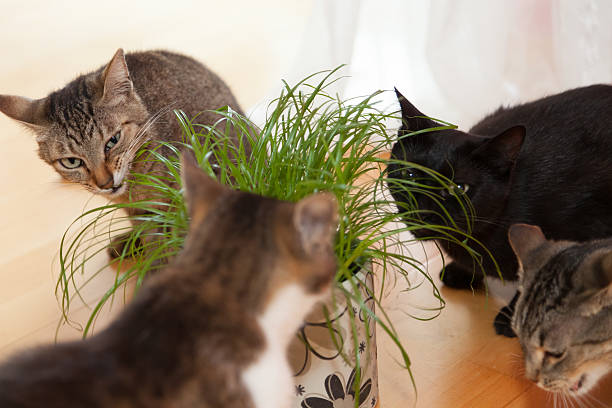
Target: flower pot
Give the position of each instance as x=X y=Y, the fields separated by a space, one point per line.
x=324 y=377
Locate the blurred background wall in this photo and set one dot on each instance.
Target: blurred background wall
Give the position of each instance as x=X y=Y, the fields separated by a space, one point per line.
x=455 y=59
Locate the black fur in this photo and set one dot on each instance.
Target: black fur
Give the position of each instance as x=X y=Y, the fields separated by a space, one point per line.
x=547 y=163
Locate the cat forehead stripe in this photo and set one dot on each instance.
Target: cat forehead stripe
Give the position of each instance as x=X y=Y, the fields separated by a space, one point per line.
x=72 y=109
x=553 y=285
x=550 y=289
x=79 y=119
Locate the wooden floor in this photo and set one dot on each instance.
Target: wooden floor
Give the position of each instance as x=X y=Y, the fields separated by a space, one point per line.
x=457 y=361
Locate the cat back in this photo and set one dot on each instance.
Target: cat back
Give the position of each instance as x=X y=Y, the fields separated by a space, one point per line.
x=211 y=329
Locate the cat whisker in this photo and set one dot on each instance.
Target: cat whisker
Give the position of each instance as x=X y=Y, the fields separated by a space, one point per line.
x=152 y=119
x=579 y=401
x=565 y=399
x=561 y=398
x=576 y=401
x=517 y=363
x=594 y=400
x=591 y=403
x=550 y=395
x=583 y=401
x=490 y=222
x=138 y=139
x=567 y=402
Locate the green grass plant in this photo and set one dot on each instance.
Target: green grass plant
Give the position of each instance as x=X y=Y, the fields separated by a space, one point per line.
x=311 y=141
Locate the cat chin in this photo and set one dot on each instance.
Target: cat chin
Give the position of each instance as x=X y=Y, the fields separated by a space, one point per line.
x=581 y=385
x=584 y=382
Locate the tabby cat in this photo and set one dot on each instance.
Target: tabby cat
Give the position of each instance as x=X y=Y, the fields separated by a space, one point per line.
x=211 y=330
x=91 y=129
x=545 y=162
x=563 y=316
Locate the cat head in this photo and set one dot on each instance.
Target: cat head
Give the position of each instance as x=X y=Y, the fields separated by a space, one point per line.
x=89 y=130
x=271 y=256
x=563 y=316
x=480 y=168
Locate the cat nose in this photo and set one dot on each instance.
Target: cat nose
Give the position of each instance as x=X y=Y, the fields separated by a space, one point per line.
x=103 y=178
x=106 y=185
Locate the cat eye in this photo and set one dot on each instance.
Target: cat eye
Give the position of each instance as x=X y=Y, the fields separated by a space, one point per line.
x=461 y=188
x=112 y=142
x=553 y=355
x=408 y=174
x=71 y=162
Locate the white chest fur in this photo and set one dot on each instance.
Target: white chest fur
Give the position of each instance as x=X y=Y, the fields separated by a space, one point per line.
x=269 y=378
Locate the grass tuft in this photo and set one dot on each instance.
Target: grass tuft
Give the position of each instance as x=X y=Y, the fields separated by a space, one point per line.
x=311 y=141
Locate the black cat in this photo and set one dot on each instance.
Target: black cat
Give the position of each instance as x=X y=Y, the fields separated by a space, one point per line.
x=547 y=162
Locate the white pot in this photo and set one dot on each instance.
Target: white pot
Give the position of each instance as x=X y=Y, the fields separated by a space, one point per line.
x=323 y=377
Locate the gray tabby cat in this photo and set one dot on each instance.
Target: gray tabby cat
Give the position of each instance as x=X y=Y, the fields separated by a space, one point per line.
x=563 y=316
x=212 y=329
x=91 y=129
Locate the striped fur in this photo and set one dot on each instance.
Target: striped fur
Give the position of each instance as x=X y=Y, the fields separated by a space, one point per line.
x=100 y=120
x=132 y=96
x=209 y=331
x=563 y=316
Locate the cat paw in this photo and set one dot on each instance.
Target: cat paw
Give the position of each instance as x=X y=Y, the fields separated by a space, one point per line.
x=456 y=277
x=503 y=322
x=118 y=246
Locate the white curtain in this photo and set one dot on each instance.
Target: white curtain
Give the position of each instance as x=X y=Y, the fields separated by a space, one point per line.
x=459 y=59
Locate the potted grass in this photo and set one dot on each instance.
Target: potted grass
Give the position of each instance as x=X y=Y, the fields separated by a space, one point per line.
x=310 y=142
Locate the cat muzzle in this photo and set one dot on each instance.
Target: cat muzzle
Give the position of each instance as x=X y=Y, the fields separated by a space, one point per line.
x=575 y=388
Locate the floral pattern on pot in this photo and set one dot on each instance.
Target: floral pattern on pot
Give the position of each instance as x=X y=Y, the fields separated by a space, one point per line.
x=318 y=340
x=340 y=395
x=318 y=365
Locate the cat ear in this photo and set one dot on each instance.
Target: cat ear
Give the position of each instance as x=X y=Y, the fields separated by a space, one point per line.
x=524 y=239
x=316 y=219
x=595 y=281
x=29 y=112
x=116 y=78
x=412 y=118
x=502 y=151
x=201 y=191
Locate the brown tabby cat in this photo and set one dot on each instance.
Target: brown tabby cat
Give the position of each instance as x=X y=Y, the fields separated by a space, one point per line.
x=210 y=330
x=563 y=315
x=91 y=129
